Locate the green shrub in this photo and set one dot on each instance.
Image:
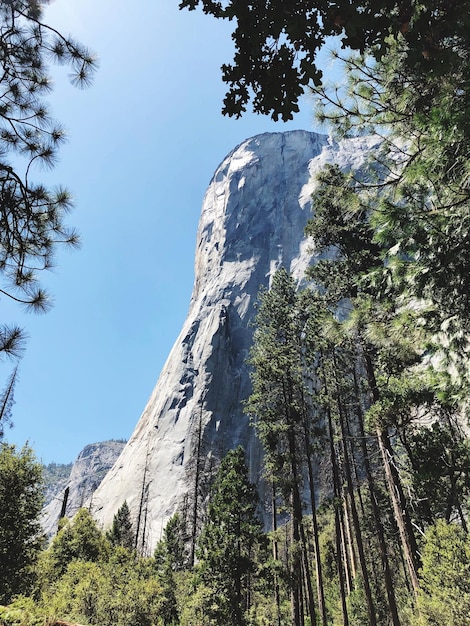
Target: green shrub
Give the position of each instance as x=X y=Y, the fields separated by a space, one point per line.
x=445 y=577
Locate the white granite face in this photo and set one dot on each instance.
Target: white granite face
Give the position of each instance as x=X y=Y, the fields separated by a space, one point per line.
x=88 y=470
x=252 y=222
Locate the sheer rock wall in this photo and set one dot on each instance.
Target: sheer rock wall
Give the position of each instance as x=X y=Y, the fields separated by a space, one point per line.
x=252 y=222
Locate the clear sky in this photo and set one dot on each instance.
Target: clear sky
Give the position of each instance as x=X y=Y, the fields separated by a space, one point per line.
x=144 y=141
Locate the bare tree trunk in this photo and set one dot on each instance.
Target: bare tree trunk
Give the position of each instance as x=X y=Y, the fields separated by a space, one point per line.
x=359 y=434
x=295 y=570
x=192 y=554
x=144 y=526
x=389 y=587
x=316 y=543
x=308 y=578
x=337 y=509
x=296 y=509
x=63 y=508
x=142 y=500
x=349 y=541
x=354 y=515
x=277 y=597
x=400 y=508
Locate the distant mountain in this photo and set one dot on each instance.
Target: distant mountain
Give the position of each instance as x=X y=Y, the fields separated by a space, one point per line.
x=252 y=222
x=80 y=478
x=56 y=476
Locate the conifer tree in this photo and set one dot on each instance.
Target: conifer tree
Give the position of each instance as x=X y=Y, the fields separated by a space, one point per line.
x=7 y=401
x=170 y=551
x=413 y=196
x=32 y=216
x=278 y=407
x=21 y=540
x=121 y=532
x=169 y=558
x=228 y=540
x=79 y=539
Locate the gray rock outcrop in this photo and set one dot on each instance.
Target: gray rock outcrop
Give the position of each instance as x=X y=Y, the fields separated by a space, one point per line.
x=88 y=470
x=252 y=222
x=56 y=476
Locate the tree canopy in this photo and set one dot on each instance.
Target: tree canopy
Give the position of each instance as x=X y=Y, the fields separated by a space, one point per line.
x=277 y=42
x=121 y=532
x=225 y=547
x=32 y=216
x=21 y=498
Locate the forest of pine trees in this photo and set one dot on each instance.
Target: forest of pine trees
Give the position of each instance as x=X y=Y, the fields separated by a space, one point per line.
x=360 y=385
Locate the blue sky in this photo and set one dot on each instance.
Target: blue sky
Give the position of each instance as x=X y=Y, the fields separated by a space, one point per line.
x=144 y=141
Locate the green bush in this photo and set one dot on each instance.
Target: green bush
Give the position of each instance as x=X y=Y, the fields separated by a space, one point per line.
x=22 y=612
x=119 y=591
x=445 y=577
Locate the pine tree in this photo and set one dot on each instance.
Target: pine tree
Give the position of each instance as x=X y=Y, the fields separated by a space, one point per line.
x=21 y=540
x=169 y=558
x=280 y=413
x=170 y=551
x=228 y=539
x=32 y=216
x=7 y=401
x=121 y=532
x=413 y=195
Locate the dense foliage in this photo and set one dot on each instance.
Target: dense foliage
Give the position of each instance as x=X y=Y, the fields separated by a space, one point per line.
x=360 y=379
x=121 y=532
x=84 y=578
x=227 y=541
x=277 y=42
x=20 y=537
x=56 y=472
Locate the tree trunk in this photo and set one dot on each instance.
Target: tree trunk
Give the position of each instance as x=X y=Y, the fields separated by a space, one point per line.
x=277 y=597
x=354 y=515
x=348 y=538
x=313 y=505
x=194 y=516
x=376 y=512
x=64 y=504
x=142 y=500
x=347 y=565
x=296 y=508
x=400 y=508
x=337 y=505
x=308 y=578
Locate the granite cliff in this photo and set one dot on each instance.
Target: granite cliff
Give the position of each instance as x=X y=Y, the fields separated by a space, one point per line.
x=86 y=473
x=252 y=222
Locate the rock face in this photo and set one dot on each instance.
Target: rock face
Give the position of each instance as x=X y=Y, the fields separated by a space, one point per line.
x=56 y=477
x=89 y=469
x=252 y=222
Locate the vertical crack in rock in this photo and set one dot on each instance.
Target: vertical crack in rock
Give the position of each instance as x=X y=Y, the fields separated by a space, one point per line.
x=252 y=221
